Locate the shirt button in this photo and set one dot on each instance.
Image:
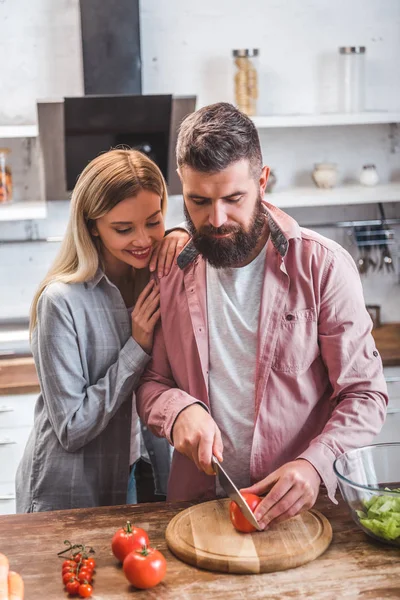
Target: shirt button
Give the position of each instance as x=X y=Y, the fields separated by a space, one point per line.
x=375 y=353
x=289 y=317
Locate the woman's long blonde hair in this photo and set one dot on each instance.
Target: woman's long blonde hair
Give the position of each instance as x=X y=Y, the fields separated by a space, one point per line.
x=106 y=181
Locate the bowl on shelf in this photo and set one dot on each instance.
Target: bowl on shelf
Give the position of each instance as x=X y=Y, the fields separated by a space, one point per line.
x=369 y=480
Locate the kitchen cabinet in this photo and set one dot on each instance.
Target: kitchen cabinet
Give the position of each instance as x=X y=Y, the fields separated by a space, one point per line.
x=391 y=429
x=354 y=566
x=16 y=422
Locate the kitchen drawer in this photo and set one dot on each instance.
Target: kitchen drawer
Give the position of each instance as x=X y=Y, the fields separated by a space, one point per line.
x=392 y=376
x=12 y=445
x=17 y=410
x=391 y=429
x=7 y=498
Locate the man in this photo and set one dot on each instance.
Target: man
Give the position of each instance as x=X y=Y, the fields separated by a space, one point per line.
x=265 y=357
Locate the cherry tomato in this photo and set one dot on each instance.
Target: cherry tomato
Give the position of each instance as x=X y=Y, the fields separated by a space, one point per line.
x=72 y=586
x=127 y=539
x=67 y=577
x=84 y=576
x=68 y=563
x=88 y=563
x=85 y=590
x=77 y=557
x=68 y=570
x=91 y=563
x=145 y=568
x=239 y=521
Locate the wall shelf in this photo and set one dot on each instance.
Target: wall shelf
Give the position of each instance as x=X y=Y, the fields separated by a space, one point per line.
x=326 y=119
x=346 y=194
x=297 y=197
x=18 y=131
x=23 y=211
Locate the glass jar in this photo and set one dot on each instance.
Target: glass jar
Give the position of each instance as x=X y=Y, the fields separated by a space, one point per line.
x=246 y=80
x=352 y=78
x=5 y=176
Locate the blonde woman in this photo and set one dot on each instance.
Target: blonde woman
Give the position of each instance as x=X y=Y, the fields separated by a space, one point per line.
x=92 y=325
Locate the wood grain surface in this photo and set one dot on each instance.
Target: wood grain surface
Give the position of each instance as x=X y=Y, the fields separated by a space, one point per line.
x=354 y=567
x=387 y=340
x=204 y=536
x=18 y=376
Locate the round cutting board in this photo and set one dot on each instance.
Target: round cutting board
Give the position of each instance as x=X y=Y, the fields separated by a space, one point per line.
x=204 y=536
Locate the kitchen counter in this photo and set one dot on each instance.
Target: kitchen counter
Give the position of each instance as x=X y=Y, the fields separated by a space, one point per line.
x=18 y=376
x=354 y=566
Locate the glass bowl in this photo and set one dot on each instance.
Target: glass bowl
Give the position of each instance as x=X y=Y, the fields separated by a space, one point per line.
x=369 y=480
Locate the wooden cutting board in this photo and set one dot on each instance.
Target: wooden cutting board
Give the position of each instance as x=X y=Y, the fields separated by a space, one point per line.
x=203 y=536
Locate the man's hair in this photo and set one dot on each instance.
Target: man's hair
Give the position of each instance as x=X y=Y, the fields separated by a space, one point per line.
x=216 y=136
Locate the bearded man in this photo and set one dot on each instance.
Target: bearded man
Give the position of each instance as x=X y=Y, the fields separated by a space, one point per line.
x=265 y=356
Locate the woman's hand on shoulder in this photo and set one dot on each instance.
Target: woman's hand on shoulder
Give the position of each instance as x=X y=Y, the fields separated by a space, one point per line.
x=145 y=316
x=166 y=251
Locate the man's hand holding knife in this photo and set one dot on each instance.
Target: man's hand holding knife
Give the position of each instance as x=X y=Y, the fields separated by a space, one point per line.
x=291 y=489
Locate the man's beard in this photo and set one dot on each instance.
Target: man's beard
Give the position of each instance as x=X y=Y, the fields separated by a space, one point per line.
x=231 y=251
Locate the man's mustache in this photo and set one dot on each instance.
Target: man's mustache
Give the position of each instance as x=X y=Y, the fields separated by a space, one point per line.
x=211 y=230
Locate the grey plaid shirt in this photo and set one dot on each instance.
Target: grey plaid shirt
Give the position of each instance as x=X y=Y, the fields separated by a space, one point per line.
x=88 y=366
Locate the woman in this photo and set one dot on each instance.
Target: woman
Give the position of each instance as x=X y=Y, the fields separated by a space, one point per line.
x=92 y=324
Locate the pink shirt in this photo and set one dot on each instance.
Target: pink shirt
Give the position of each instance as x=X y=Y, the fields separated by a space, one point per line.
x=320 y=388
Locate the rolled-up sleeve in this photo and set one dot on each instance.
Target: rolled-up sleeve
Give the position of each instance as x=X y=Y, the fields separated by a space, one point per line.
x=354 y=369
x=78 y=412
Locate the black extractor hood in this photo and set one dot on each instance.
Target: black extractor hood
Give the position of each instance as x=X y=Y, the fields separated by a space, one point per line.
x=111 y=46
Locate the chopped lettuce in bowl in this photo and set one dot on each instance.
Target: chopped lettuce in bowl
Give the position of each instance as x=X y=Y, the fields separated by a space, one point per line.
x=381 y=516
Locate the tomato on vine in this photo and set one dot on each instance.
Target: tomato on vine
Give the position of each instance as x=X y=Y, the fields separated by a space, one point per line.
x=85 y=590
x=72 y=586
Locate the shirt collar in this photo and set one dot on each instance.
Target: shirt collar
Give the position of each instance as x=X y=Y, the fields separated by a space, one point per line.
x=282 y=228
x=92 y=283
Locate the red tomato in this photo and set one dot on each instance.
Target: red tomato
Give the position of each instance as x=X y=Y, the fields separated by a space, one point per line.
x=68 y=563
x=85 y=590
x=240 y=522
x=69 y=570
x=72 y=586
x=145 y=568
x=77 y=557
x=127 y=539
x=67 y=577
x=90 y=562
x=85 y=576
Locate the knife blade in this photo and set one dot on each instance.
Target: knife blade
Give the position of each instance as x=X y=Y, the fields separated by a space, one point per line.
x=232 y=491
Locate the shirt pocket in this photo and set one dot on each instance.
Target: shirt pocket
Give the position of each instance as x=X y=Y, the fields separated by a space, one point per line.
x=297 y=346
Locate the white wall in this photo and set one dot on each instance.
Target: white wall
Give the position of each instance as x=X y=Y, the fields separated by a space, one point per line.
x=186 y=49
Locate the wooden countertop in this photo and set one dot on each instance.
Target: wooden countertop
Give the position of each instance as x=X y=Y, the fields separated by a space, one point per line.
x=354 y=566
x=387 y=340
x=18 y=375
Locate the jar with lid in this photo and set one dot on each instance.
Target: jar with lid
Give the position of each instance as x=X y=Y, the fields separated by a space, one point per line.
x=246 y=80
x=352 y=78
x=5 y=176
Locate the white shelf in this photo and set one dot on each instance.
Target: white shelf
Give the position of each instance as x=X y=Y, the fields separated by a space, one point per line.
x=326 y=119
x=18 y=131
x=22 y=211
x=347 y=194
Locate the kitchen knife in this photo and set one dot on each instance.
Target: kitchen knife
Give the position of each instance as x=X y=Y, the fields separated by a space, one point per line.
x=231 y=490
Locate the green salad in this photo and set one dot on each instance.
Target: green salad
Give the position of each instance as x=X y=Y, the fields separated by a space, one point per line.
x=381 y=515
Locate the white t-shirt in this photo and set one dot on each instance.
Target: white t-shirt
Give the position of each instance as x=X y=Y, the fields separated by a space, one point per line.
x=233 y=308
